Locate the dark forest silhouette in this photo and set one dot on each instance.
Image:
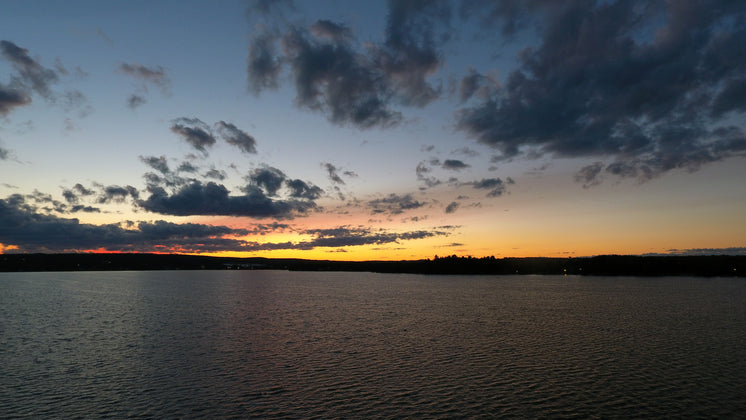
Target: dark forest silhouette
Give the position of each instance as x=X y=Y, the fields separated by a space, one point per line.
x=608 y=265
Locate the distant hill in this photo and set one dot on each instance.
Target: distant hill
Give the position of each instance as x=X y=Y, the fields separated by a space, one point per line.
x=607 y=265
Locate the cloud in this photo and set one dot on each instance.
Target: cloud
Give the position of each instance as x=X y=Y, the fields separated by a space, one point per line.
x=333 y=175
x=268 y=178
x=496 y=186
x=264 y=66
x=155 y=75
x=201 y=136
x=72 y=195
x=216 y=174
x=331 y=77
x=135 y=101
x=477 y=85
x=646 y=85
x=159 y=163
x=707 y=251
x=24 y=226
x=212 y=199
x=194 y=132
x=301 y=189
x=452 y=207
x=117 y=194
x=354 y=84
x=422 y=171
x=187 y=167
x=332 y=31
x=236 y=137
x=454 y=165
x=268 y=8
x=345 y=236
x=588 y=175
x=31 y=74
x=394 y=204
x=11 y=98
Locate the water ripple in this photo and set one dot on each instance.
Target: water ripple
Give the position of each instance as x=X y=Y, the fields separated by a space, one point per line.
x=326 y=345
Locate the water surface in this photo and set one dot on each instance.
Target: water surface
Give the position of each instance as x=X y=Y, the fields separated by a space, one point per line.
x=299 y=345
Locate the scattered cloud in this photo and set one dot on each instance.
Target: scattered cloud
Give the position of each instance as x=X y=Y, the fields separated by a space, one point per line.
x=333 y=175
x=135 y=101
x=454 y=165
x=496 y=186
x=236 y=137
x=155 y=75
x=345 y=236
x=195 y=132
x=423 y=170
x=11 y=98
x=24 y=225
x=352 y=83
x=212 y=199
x=704 y=251
x=31 y=74
x=596 y=85
x=394 y=204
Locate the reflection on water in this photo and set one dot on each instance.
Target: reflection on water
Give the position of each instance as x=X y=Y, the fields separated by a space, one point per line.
x=294 y=344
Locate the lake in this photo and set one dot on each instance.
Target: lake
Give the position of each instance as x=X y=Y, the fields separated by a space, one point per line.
x=214 y=344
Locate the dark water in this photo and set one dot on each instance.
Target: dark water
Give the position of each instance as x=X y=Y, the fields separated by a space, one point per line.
x=299 y=345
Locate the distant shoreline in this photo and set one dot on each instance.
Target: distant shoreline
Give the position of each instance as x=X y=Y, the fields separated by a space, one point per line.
x=606 y=265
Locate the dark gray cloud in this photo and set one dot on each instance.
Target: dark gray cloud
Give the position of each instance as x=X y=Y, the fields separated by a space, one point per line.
x=216 y=174
x=195 y=132
x=271 y=180
x=301 y=189
x=332 y=31
x=352 y=83
x=187 y=167
x=236 y=137
x=496 y=186
x=117 y=194
x=454 y=165
x=345 y=236
x=423 y=171
x=647 y=85
x=394 y=204
x=23 y=224
x=158 y=163
x=11 y=98
x=707 y=251
x=268 y=178
x=264 y=64
x=268 y=8
x=410 y=53
x=212 y=199
x=331 y=77
x=452 y=207
x=45 y=203
x=72 y=195
x=155 y=75
x=201 y=136
x=332 y=172
x=31 y=74
x=476 y=85
x=135 y=101
x=589 y=174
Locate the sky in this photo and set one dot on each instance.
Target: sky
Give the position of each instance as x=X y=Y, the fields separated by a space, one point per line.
x=373 y=130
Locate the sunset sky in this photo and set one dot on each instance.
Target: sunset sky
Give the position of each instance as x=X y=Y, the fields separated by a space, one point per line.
x=372 y=130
